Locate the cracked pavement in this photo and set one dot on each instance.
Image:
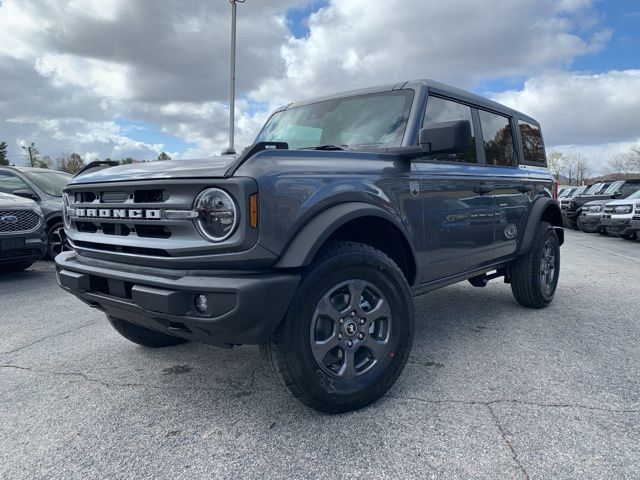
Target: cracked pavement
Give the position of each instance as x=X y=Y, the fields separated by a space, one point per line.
x=491 y=390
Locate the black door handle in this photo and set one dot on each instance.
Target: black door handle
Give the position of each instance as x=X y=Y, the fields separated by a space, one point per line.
x=524 y=188
x=482 y=188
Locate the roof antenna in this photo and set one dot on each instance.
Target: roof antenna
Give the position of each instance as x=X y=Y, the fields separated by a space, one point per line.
x=232 y=90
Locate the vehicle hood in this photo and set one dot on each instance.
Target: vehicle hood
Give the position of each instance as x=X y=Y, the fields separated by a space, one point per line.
x=208 y=167
x=624 y=201
x=581 y=200
x=597 y=202
x=11 y=201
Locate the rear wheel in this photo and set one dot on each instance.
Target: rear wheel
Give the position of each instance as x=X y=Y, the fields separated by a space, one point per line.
x=534 y=276
x=143 y=336
x=348 y=332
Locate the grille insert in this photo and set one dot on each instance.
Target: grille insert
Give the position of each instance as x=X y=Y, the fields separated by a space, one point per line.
x=18 y=220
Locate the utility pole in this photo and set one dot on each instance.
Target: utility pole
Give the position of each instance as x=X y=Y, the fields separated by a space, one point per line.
x=232 y=87
x=30 y=150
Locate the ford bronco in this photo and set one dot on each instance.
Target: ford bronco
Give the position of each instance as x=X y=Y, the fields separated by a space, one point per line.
x=313 y=241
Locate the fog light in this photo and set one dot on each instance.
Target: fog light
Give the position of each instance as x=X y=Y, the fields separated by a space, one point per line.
x=202 y=305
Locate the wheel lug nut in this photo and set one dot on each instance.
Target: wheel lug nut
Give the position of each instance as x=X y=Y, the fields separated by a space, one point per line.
x=363 y=321
x=360 y=336
x=349 y=343
x=342 y=320
x=339 y=336
x=353 y=314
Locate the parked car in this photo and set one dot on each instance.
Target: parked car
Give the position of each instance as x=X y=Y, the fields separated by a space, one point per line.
x=590 y=219
x=568 y=198
x=617 y=216
x=618 y=189
x=45 y=187
x=22 y=233
x=313 y=241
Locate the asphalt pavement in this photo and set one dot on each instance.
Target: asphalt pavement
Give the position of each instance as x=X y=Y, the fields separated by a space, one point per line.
x=491 y=390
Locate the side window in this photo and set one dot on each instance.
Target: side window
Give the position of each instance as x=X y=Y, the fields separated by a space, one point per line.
x=441 y=110
x=9 y=183
x=498 y=139
x=532 y=143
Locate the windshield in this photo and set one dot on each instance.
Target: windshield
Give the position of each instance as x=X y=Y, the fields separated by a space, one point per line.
x=51 y=183
x=634 y=196
x=594 y=188
x=614 y=187
x=579 y=190
x=377 y=120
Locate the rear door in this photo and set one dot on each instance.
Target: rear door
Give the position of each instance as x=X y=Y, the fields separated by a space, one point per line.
x=514 y=152
x=458 y=203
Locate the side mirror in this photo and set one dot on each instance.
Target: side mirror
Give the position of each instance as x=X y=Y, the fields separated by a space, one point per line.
x=617 y=193
x=446 y=137
x=24 y=193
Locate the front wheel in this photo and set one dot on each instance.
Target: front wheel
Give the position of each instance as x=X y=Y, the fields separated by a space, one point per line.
x=586 y=228
x=56 y=240
x=348 y=332
x=613 y=232
x=534 y=276
x=630 y=236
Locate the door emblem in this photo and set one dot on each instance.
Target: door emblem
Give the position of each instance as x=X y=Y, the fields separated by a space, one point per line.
x=414 y=188
x=511 y=231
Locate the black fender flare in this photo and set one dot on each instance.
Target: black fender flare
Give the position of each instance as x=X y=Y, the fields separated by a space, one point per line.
x=548 y=208
x=314 y=234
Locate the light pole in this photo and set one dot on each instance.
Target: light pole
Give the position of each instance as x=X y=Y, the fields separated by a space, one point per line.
x=30 y=150
x=232 y=88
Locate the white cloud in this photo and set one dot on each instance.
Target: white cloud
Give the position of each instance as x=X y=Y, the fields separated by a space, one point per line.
x=68 y=69
x=597 y=114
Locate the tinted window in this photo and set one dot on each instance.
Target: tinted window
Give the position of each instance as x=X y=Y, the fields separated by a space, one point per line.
x=441 y=110
x=498 y=140
x=531 y=143
x=377 y=120
x=9 y=183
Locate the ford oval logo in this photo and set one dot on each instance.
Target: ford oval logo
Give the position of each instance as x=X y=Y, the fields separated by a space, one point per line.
x=9 y=219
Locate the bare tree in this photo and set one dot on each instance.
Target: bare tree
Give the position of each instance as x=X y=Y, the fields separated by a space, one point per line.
x=72 y=164
x=628 y=162
x=555 y=161
x=569 y=168
x=583 y=169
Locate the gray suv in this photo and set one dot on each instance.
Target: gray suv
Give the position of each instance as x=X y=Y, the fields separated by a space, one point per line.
x=45 y=187
x=22 y=233
x=314 y=240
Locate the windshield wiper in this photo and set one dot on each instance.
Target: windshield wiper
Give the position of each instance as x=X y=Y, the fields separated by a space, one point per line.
x=328 y=146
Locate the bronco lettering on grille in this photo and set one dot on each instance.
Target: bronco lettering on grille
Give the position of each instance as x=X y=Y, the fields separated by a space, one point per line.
x=118 y=213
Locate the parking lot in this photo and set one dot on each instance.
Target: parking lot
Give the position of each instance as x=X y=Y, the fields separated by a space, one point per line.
x=491 y=391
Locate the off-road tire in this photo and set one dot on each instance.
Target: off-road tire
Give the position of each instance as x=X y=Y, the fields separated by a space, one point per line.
x=290 y=356
x=630 y=236
x=613 y=232
x=56 y=240
x=572 y=224
x=143 y=336
x=526 y=271
x=13 y=267
x=587 y=229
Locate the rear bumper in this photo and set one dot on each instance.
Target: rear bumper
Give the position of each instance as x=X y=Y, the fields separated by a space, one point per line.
x=242 y=308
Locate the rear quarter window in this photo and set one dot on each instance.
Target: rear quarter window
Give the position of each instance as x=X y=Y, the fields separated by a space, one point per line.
x=532 y=145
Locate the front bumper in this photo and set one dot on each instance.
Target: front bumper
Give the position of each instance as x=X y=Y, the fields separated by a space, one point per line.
x=243 y=308
x=622 y=223
x=591 y=219
x=34 y=248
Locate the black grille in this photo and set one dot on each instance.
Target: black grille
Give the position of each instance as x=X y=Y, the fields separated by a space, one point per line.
x=18 y=220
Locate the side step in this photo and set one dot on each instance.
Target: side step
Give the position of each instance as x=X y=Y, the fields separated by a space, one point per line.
x=482 y=280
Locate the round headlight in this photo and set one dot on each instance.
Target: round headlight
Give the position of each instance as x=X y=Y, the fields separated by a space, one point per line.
x=66 y=205
x=217 y=214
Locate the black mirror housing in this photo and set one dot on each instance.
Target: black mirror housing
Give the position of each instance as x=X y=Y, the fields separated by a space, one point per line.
x=24 y=193
x=446 y=137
